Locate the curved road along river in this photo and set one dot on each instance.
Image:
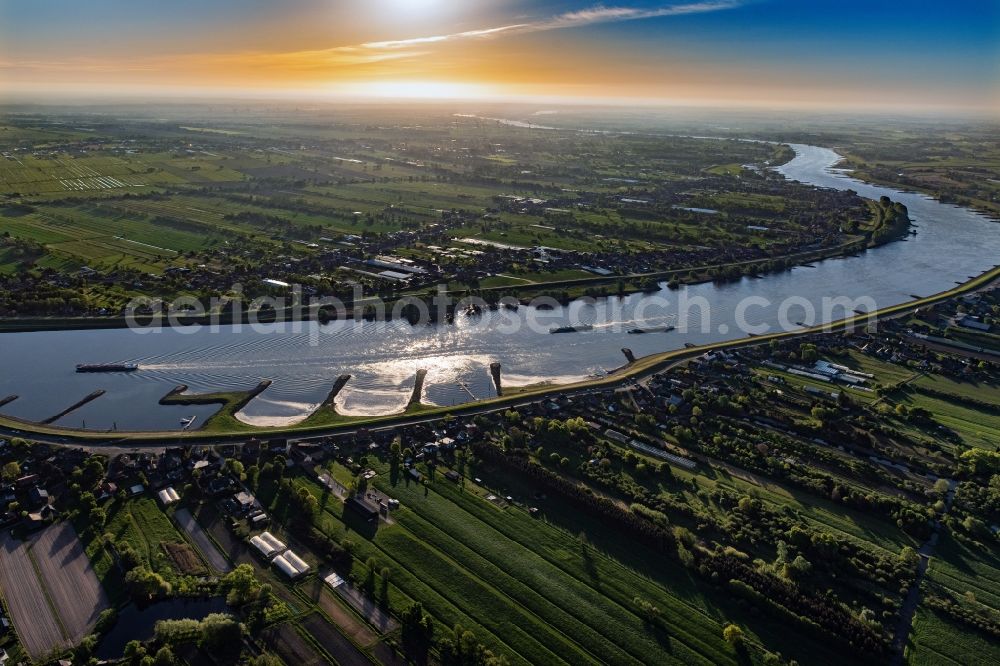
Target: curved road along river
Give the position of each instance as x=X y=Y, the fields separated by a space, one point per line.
x=951 y=245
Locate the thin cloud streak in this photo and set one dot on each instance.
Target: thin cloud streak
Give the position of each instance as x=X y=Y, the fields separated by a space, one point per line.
x=575 y=19
x=468 y=34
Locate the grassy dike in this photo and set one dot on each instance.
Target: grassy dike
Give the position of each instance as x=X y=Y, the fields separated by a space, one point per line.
x=641 y=368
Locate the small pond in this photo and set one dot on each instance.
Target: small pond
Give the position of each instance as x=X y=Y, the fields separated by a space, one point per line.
x=135 y=623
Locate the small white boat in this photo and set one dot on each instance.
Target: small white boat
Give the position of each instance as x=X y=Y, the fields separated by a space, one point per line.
x=188 y=422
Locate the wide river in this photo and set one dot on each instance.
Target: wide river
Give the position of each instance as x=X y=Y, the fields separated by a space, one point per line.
x=951 y=245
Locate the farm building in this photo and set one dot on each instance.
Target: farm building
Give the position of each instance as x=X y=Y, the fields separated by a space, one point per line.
x=615 y=435
x=291 y=565
x=285 y=567
x=267 y=545
x=273 y=541
x=333 y=580
x=38 y=496
x=36 y=520
x=296 y=561
x=976 y=324
x=259 y=519
x=365 y=509
x=660 y=453
x=262 y=547
x=245 y=500
x=168 y=496
x=26 y=481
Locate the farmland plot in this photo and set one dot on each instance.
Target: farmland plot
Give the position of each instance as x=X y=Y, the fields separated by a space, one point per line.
x=324 y=633
x=51 y=589
x=33 y=616
x=70 y=579
x=292 y=647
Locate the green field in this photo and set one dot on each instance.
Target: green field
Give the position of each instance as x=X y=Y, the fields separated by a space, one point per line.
x=469 y=562
x=976 y=427
x=965 y=569
x=938 y=641
x=529 y=589
x=141 y=524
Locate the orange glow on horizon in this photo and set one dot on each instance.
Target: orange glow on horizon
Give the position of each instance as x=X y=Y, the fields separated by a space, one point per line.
x=414 y=56
x=417 y=89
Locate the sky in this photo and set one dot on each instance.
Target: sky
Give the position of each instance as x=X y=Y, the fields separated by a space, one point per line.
x=901 y=54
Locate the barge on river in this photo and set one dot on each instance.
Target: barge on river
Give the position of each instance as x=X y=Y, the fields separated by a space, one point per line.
x=107 y=367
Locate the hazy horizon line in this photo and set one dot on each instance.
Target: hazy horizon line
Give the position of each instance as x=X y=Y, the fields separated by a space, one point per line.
x=52 y=97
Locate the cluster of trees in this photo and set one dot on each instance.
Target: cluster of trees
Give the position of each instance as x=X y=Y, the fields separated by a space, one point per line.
x=337 y=553
x=891 y=221
x=375 y=577
x=461 y=647
x=841 y=559
x=455 y=647
x=417 y=633
x=981 y=501
x=136 y=654
x=980 y=463
x=273 y=223
x=556 y=432
x=662 y=503
x=22 y=294
x=654 y=535
x=302 y=504
x=143 y=585
x=824 y=617
x=968 y=401
x=743 y=447
x=219 y=634
x=11 y=471
x=24 y=252
x=241 y=586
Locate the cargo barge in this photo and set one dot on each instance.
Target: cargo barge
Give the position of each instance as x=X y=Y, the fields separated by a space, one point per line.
x=107 y=367
x=572 y=329
x=651 y=329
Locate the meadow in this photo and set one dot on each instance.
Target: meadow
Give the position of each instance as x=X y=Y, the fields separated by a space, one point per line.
x=970 y=573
